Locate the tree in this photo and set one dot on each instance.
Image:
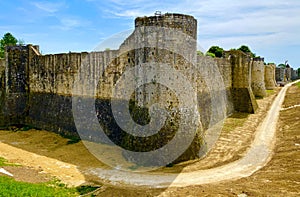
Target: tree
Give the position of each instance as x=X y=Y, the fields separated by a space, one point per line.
x=246 y=49
x=281 y=65
x=7 y=40
x=200 y=53
x=210 y=54
x=218 y=51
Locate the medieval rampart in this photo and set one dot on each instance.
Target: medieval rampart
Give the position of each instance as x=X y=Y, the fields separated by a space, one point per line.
x=38 y=89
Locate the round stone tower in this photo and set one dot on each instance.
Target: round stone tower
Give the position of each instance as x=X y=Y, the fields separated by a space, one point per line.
x=186 y=23
x=164 y=39
x=258 y=76
x=162 y=52
x=270 y=76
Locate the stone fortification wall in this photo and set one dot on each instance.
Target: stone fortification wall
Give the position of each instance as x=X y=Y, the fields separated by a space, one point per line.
x=258 y=77
x=2 y=63
x=2 y=85
x=288 y=73
x=242 y=95
x=51 y=86
x=270 y=76
x=294 y=74
x=225 y=69
x=40 y=90
x=184 y=23
x=15 y=86
x=280 y=74
x=158 y=43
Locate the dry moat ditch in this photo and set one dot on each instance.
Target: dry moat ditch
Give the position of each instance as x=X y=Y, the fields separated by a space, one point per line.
x=279 y=178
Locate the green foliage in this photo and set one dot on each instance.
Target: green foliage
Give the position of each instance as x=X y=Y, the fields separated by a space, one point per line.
x=298 y=84
x=216 y=50
x=7 y=40
x=246 y=49
x=10 y=187
x=85 y=189
x=200 y=53
x=210 y=54
x=2 y=162
x=281 y=66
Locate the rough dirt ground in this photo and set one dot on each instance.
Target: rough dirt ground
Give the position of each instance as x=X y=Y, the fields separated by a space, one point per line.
x=281 y=177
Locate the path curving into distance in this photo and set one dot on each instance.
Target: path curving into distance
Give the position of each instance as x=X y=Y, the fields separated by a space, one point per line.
x=258 y=155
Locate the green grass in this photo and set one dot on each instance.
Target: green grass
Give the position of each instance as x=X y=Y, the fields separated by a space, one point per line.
x=10 y=187
x=4 y=162
x=298 y=84
x=270 y=92
x=235 y=120
x=85 y=189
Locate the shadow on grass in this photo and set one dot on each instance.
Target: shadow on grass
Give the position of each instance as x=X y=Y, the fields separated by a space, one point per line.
x=239 y=115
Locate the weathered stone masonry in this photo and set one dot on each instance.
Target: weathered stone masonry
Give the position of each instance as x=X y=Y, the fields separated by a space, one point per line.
x=37 y=89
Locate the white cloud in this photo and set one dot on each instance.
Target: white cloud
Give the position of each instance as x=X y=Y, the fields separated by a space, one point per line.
x=257 y=22
x=50 y=7
x=129 y=13
x=263 y=25
x=69 y=23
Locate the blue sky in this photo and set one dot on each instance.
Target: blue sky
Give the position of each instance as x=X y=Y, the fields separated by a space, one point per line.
x=270 y=28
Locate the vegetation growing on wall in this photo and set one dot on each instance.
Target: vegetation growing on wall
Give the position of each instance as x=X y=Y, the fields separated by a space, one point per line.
x=246 y=49
x=281 y=66
x=216 y=51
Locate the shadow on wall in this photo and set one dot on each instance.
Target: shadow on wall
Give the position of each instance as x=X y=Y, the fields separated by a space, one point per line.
x=37 y=89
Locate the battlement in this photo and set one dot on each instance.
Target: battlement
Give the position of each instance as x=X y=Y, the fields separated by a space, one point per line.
x=186 y=23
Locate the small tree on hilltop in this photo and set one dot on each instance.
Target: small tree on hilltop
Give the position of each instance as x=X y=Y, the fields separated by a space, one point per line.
x=218 y=51
x=246 y=49
x=7 y=40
